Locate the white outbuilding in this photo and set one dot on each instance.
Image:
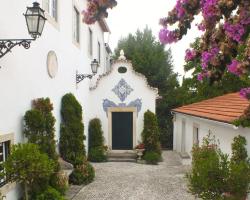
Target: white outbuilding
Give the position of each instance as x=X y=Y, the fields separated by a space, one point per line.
x=215 y=116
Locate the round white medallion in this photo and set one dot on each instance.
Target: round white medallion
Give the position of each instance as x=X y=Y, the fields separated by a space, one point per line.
x=52 y=64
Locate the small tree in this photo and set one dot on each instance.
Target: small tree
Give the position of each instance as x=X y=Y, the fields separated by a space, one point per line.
x=239 y=176
x=72 y=131
x=27 y=165
x=209 y=169
x=150 y=134
x=96 y=141
x=39 y=126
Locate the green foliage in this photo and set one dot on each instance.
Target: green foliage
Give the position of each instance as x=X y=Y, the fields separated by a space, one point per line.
x=72 y=131
x=97 y=154
x=39 y=126
x=152 y=157
x=150 y=133
x=82 y=174
x=96 y=138
x=150 y=58
x=209 y=168
x=214 y=176
x=96 y=142
x=60 y=182
x=193 y=90
x=27 y=165
x=244 y=120
x=239 y=177
x=239 y=180
x=50 y=194
x=239 y=151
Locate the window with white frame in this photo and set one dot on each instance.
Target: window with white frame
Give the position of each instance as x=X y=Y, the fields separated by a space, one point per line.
x=76 y=25
x=99 y=52
x=90 y=42
x=196 y=135
x=51 y=7
x=4 y=153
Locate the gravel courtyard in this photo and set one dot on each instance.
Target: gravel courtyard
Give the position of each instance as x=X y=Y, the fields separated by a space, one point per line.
x=132 y=181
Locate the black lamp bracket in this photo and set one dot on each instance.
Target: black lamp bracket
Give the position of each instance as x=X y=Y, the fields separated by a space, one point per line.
x=80 y=77
x=7 y=44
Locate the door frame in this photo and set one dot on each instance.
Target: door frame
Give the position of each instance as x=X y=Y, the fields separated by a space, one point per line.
x=121 y=109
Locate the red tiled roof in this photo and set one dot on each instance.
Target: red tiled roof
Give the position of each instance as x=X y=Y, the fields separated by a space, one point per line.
x=224 y=108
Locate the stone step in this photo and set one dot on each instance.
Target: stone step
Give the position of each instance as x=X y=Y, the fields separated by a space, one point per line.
x=122 y=155
x=121 y=160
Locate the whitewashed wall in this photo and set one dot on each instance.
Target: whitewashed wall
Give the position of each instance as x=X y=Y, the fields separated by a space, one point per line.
x=103 y=90
x=23 y=73
x=223 y=132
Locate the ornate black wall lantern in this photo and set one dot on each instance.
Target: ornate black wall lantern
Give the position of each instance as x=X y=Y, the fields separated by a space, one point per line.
x=94 y=67
x=35 y=20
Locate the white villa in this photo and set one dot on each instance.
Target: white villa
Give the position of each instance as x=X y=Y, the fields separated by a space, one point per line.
x=195 y=121
x=116 y=94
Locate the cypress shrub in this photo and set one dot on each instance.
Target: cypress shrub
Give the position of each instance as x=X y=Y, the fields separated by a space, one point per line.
x=96 y=141
x=96 y=138
x=239 y=169
x=39 y=126
x=150 y=133
x=72 y=131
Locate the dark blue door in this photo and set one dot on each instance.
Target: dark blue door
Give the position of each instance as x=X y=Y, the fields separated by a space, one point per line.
x=122 y=130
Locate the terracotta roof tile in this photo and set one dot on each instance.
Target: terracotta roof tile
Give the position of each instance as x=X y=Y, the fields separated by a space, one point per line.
x=224 y=108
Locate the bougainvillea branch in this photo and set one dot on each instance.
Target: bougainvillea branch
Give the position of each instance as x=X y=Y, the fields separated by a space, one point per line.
x=225 y=43
x=96 y=10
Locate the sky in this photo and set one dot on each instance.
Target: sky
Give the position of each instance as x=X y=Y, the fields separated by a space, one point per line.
x=130 y=15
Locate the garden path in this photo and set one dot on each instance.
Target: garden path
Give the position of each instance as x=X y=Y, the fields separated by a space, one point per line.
x=132 y=181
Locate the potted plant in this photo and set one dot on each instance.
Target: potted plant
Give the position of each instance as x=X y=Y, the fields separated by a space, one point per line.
x=140 y=148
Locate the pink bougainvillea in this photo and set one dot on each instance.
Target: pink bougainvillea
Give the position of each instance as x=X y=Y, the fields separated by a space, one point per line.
x=245 y=93
x=225 y=42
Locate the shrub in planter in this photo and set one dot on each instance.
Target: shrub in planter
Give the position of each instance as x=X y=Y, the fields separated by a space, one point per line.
x=27 y=165
x=97 y=154
x=82 y=174
x=72 y=131
x=152 y=157
x=96 y=141
x=150 y=133
x=50 y=194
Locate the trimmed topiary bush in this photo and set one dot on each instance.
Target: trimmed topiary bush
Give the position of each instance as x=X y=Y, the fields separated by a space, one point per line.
x=152 y=157
x=72 y=131
x=39 y=126
x=82 y=174
x=150 y=133
x=96 y=142
x=96 y=138
x=50 y=194
x=97 y=154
